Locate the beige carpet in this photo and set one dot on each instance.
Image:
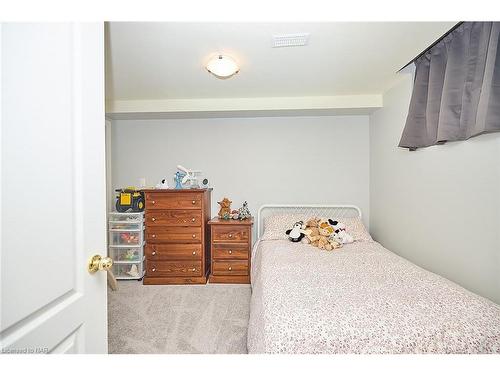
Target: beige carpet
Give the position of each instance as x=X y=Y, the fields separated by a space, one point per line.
x=210 y=318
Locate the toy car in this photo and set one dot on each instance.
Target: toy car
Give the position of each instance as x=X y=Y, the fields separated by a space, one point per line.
x=129 y=198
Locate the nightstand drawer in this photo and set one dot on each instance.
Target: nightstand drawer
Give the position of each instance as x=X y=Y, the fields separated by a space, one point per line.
x=173 y=268
x=174 y=218
x=173 y=251
x=173 y=234
x=184 y=200
x=230 y=233
x=235 y=268
x=230 y=251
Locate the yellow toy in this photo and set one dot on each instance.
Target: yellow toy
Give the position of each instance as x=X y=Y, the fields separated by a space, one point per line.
x=130 y=198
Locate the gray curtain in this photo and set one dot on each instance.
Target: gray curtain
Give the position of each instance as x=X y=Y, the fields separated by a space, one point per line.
x=456 y=93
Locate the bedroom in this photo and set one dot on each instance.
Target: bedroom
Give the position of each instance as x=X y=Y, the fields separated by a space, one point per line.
x=315 y=127
x=336 y=145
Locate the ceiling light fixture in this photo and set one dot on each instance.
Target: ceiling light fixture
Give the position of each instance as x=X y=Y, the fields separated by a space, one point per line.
x=222 y=66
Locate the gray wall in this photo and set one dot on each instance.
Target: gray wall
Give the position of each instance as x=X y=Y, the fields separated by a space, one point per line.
x=261 y=160
x=438 y=207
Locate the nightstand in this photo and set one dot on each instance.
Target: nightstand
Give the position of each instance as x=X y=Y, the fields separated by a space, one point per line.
x=231 y=247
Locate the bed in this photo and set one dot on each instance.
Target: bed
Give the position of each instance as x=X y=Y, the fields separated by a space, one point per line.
x=361 y=298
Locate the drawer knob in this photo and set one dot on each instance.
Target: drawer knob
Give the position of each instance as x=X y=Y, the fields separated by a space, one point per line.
x=194 y=269
x=153 y=269
x=153 y=219
x=153 y=202
x=230 y=269
x=194 y=252
x=230 y=251
x=193 y=219
x=153 y=235
x=230 y=235
x=194 y=235
x=193 y=202
x=153 y=253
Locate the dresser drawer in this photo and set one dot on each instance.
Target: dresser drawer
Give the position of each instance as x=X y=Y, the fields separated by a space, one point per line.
x=230 y=233
x=173 y=251
x=173 y=268
x=230 y=251
x=172 y=201
x=234 y=268
x=174 y=217
x=173 y=234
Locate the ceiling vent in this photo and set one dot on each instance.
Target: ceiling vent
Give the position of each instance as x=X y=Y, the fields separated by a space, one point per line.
x=290 y=40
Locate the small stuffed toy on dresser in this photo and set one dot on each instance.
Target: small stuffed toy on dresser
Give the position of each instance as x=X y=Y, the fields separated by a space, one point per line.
x=225 y=209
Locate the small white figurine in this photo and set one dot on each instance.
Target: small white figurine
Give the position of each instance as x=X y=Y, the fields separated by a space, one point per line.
x=134 y=271
x=190 y=177
x=163 y=184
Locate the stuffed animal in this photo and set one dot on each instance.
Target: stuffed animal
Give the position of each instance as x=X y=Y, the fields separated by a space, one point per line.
x=335 y=241
x=340 y=229
x=311 y=232
x=296 y=234
x=225 y=209
x=325 y=231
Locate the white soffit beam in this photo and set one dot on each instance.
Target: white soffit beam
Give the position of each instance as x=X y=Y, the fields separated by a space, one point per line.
x=247 y=105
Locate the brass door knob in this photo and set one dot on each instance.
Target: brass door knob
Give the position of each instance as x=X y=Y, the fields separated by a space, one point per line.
x=100 y=263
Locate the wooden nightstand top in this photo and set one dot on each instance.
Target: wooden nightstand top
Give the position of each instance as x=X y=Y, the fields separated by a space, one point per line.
x=218 y=221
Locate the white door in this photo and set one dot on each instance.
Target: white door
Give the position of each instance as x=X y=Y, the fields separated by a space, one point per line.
x=52 y=188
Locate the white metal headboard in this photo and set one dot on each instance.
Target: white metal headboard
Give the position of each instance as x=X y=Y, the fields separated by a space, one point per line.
x=308 y=210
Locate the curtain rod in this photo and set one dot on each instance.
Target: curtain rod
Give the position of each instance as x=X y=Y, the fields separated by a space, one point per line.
x=432 y=45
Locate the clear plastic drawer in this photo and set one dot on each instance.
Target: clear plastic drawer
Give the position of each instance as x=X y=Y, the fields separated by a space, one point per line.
x=124 y=225
x=128 y=270
x=126 y=238
x=126 y=221
x=126 y=254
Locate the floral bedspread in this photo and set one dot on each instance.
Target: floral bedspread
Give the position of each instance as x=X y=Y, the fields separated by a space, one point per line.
x=361 y=298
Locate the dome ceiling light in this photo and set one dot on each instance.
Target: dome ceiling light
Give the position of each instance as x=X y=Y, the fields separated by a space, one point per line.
x=222 y=66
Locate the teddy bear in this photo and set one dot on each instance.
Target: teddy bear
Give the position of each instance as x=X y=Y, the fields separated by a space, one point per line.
x=311 y=232
x=325 y=231
x=225 y=209
x=340 y=230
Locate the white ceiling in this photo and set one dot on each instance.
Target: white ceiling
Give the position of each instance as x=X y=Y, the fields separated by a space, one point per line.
x=157 y=61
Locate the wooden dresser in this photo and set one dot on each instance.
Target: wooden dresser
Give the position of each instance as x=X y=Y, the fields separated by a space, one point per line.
x=177 y=236
x=231 y=248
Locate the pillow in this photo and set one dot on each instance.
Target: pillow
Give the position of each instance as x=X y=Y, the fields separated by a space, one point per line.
x=355 y=227
x=275 y=226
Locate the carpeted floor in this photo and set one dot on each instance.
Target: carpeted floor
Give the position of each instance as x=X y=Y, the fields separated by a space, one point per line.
x=173 y=319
